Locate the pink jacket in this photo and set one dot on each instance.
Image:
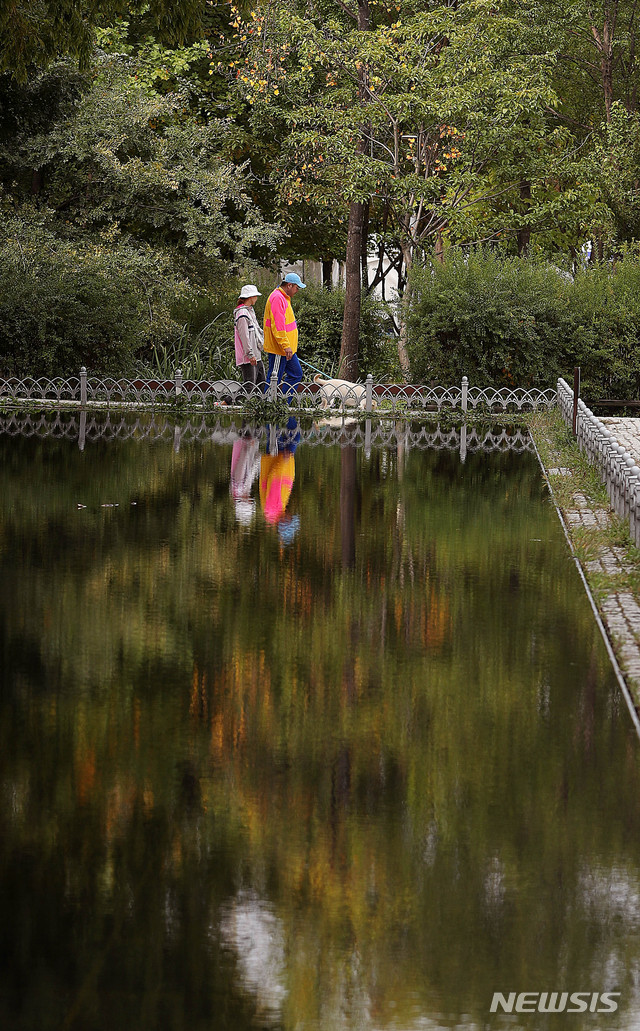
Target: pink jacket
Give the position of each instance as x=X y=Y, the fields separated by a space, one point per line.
x=247 y=334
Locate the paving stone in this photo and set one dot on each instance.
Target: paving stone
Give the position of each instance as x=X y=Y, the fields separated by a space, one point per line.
x=585 y=516
x=626 y=432
x=608 y=561
x=580 y=500
x=602 y=517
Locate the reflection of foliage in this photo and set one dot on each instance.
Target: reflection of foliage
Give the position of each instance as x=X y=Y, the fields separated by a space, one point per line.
x=405 y=747
x=261 y=409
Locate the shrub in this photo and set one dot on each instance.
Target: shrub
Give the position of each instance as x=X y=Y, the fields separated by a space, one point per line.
x=65 y=304
x=603 y=329
x=498 y=320
x=203 y=348
x=514 y=321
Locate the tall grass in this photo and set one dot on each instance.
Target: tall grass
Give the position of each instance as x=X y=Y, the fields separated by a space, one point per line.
x=198 y=357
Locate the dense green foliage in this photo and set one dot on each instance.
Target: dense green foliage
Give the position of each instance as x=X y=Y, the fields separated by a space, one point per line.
x=199 y=143
x=497 y=320
x=68 y=303
x=120 y=206
x=519 y=322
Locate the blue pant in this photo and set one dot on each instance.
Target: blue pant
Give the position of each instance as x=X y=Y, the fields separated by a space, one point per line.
x=288 y=372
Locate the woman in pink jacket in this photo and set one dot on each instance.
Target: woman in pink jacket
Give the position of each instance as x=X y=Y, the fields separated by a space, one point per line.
x=248 y=338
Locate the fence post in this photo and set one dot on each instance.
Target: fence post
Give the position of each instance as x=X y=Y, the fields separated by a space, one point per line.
x=463 y=443
x=369 y=393
x=465 y=393
x=576 y=395
x=83 y=387
x=367 y=439
x=178 y=382
x=634 y=484
x=273 y=386
x=629 y=463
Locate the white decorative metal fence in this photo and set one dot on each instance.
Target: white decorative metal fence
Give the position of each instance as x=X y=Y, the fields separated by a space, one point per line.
x=617 y=468
x=89 y=391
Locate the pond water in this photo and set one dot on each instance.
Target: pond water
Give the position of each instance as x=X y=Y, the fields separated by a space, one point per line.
x=324 y=739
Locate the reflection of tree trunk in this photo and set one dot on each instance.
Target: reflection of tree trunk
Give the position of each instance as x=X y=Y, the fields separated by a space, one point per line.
x=401 y=451
x=402 y=553
x=340 y=796
x=348 y=481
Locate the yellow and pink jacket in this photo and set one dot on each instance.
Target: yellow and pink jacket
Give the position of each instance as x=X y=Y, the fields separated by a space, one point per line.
x=277 y=473
x=280 y=328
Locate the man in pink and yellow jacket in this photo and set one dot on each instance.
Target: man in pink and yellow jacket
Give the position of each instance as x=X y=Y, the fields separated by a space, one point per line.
x=281 y=334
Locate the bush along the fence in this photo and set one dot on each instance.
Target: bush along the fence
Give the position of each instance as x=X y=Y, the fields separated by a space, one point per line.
x=65 y=303
x=496 y=319
x=506 y=320
x=123 y=310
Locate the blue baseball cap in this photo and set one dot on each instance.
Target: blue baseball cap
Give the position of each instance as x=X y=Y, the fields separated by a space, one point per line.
x=288 y=529
x=293 y=277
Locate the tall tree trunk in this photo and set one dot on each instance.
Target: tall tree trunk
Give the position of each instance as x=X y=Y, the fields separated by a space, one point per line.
x=439 y=247
x=365 y=248
x=524 y=232
x=604 y=41
x=327 y=273
x=403 y=353
x=348 y=483
x=358 y=225
x=353 y=292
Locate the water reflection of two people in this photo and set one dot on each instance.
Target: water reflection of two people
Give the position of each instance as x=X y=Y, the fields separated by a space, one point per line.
x=277 y=473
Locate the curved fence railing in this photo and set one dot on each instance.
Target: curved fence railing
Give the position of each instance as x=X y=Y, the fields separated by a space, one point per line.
x=91 y=392
x=87 y=427
x=616 y=467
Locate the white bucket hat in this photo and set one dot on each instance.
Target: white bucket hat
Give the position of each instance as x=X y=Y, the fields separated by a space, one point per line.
x=244 y=511
x=250 y=290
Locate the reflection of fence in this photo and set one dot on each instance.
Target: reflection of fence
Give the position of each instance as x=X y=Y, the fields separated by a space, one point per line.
x=87 y=391
x=86 y=427
x=616 y=467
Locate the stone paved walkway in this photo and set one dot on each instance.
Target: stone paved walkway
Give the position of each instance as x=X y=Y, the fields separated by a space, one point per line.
x=619 y=609
x=627 y=433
